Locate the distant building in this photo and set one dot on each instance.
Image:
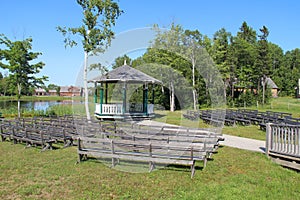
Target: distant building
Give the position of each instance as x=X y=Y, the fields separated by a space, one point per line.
x=297 y=89
x=274 y=89
x=70 y=91
x=270 y=84
x=52 y=93
x=40 y=92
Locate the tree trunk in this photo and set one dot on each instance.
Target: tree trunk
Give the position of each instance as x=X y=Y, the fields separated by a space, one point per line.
x=19 y=103
x=263 y=93
x=86 y=92
x=194 y=87
x=172 y=100
x=195 y=98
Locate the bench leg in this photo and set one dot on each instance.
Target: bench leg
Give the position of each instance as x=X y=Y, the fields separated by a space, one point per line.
x=193 y=169
x=68 y=143
x=151 y=166
x=47 y=146
x=113 y=162
x=81 y=157
x=204 y=162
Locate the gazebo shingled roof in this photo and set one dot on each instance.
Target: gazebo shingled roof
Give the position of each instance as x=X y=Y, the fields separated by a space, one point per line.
x=125 y=73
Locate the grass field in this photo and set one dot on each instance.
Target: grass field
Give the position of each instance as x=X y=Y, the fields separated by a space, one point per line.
x=232 y=174
x=282 y=104
x=176 y=118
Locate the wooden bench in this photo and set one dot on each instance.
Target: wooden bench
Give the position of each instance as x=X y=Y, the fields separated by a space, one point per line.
x=211 y=144
x=6 y=130
x=173 y=130
x=32 y=137
x=150 y=152
x=191 y=115
x=58 y=129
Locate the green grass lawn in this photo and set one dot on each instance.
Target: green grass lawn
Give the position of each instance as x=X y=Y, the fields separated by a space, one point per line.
x=232 y=174
x=282 y=104
x=176 y=118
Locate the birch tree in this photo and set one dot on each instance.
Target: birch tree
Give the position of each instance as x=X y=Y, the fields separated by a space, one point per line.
x=192 y=44
x=170 y=41
x=98 y=18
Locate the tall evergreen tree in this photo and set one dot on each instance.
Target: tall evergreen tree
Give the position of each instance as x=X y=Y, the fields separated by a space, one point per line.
x=277 y=72
x=221 y=55
x=262 y=66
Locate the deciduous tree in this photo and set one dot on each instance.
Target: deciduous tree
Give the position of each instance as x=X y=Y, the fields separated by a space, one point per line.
x=98 y=18
x=16 y=57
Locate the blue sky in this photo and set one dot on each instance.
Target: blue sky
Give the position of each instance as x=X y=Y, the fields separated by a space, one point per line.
x=39 y=18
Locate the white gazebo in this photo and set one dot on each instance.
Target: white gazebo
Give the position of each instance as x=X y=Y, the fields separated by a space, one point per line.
x=123 y=77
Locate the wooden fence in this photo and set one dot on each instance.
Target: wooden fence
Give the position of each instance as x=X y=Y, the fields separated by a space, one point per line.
x=283 y=144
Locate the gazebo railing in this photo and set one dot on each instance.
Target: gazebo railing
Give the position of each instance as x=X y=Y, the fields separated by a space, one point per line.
x=112 y=109
x=117 y=109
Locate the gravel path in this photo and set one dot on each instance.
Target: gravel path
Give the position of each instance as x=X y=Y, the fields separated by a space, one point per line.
x=231 y=141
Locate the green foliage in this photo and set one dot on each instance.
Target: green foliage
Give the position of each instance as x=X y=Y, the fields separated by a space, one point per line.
x=121 y=60
x=245 y=99
x=54 y=87
x=17 y=58
x=168 y=75
x=98 y=18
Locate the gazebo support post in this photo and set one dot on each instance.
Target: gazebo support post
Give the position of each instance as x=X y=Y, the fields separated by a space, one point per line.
x=95 y=93
x=152 y=94
x=145 y=99
x=101 y=97
x=124 y=97
x=106 y=92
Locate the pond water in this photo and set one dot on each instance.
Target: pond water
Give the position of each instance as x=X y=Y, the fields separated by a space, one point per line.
x=33 y=105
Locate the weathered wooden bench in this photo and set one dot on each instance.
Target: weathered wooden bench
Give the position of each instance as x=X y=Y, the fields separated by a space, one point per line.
x=32 y=137
x=149 y=152
x=59 y=129
x=242 y=121
x=6 y=130
x=191 y=115
x=211 y=144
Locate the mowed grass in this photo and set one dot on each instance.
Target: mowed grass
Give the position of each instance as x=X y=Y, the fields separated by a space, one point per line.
x=177 y=118
x=281 y=104
x=232 y=174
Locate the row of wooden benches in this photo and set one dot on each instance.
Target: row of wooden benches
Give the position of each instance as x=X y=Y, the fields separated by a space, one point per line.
x=117 y=141
x=150 y=144
x=243 y=117
x=39 y=131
